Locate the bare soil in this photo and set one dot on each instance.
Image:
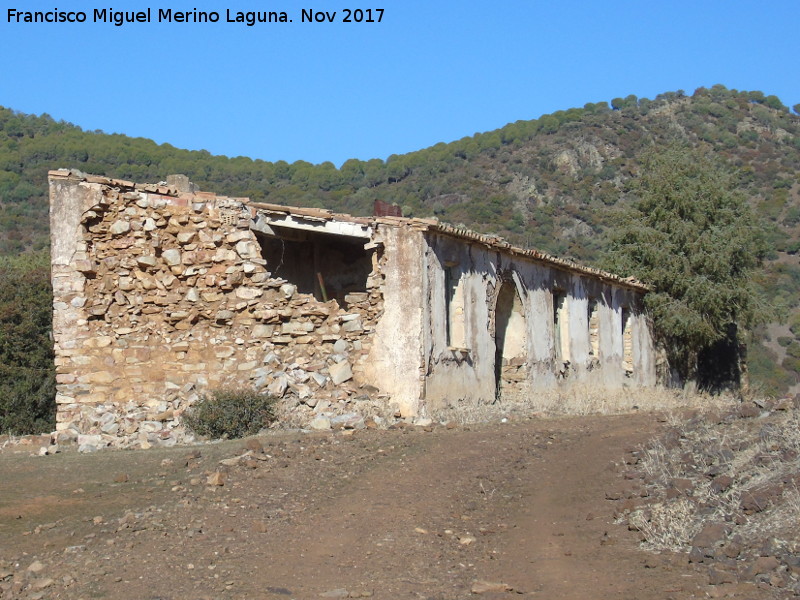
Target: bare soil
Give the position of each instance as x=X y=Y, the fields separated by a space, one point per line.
x=521 y=509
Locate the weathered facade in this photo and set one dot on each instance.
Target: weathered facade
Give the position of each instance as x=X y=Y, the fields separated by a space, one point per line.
x=162 y=292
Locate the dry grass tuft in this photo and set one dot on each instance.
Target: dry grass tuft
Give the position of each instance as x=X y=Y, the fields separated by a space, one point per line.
x=739 y=469
x=666 y=526
x=580 y=400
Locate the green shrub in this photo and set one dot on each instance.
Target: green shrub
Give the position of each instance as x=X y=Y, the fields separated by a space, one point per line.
x=766 y=375
x=794 y=324
x=790 y=363
x=793 y=349
x=231 y=413
x=785 y=340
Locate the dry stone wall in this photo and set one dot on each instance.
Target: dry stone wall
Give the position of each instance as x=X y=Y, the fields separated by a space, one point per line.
x=161 y=295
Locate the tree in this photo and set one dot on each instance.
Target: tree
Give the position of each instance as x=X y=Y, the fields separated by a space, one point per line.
x=548 y=124
x=692 y=237
x=627 y=102
x=27 y=372
x=774 y=102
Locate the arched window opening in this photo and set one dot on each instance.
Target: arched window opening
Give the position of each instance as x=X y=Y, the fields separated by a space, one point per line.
x=510 y=341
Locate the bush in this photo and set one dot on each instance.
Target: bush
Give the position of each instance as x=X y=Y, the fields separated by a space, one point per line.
x=793 y=349
x=790 y=363
x=766 y=373
x=231 y=413
x=794 y=324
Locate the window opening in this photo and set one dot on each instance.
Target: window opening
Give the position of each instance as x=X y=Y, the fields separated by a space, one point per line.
x=627 y=340
x=324 y=265
x=594 y=328
x=561 y=326
x=454 y=308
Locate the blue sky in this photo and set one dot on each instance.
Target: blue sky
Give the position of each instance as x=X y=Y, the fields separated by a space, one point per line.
x=429 y=72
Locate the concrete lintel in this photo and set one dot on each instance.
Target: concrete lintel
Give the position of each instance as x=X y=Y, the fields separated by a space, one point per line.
x=264 y=224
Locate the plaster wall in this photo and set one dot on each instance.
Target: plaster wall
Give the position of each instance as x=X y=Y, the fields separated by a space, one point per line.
x=395 y=360
x=469 y=375
x=455 y=374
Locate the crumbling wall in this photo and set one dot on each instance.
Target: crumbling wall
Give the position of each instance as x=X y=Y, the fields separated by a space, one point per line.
x=529 y=328
x=395 y=362
x=160 y=295
x=459 y=375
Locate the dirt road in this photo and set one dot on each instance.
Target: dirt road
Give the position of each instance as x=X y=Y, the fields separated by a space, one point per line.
x=503 y=510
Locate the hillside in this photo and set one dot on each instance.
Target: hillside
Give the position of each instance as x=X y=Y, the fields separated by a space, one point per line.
x=554 y=183
x=549 y=181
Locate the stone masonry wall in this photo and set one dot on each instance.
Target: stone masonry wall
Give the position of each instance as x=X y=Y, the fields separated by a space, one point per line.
x=160 y=295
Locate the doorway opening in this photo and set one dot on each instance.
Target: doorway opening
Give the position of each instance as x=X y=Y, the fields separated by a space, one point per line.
x=510 y=361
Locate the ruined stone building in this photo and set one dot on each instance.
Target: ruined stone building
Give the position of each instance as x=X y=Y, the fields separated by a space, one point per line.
x=162 y=292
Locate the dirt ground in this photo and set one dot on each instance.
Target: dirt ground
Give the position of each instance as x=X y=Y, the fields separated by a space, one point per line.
x=504 y=510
